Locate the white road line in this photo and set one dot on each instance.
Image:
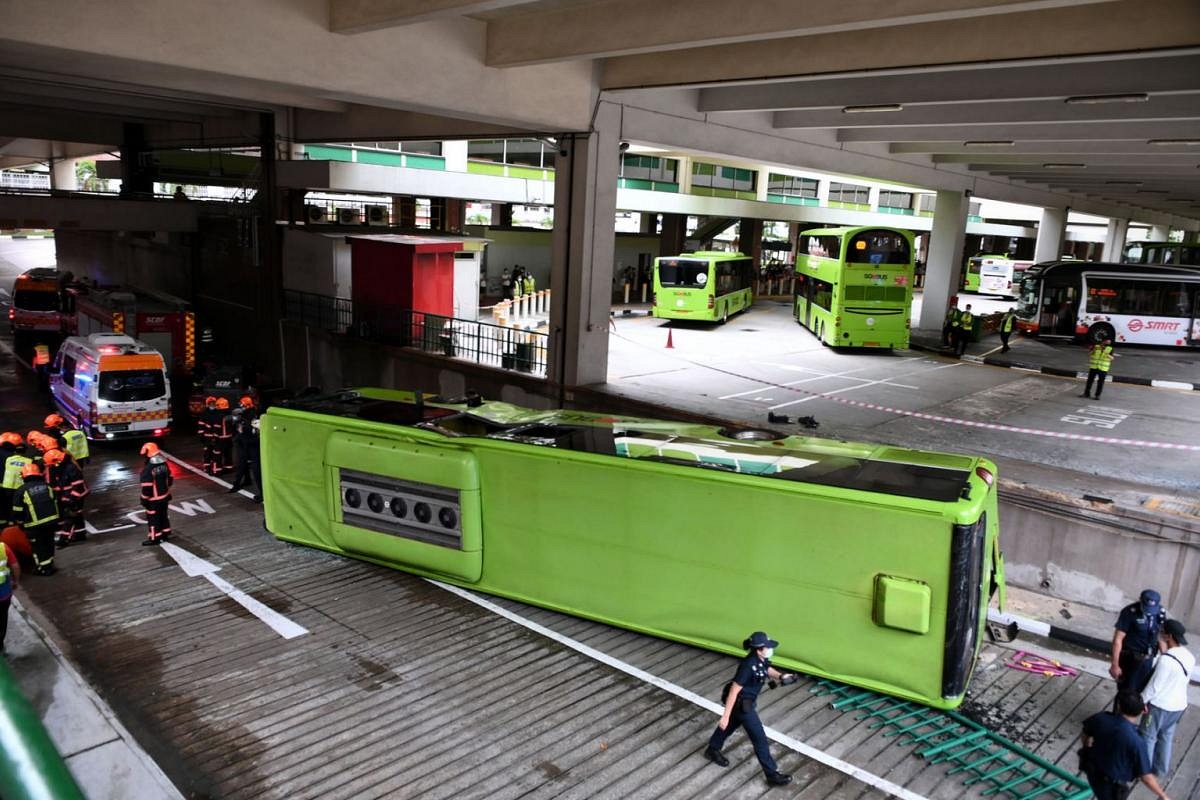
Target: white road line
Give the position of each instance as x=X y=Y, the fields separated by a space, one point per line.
x=194 y=566
x=869 y=778
x=819 y=376
x=827 y=394
x=203 y=474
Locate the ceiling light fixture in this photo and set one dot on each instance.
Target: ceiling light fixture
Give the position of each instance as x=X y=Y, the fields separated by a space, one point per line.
x=1183 y=200
x=1170 y=142
x=1094 y=99
x=1123 y=183
x=1064 y=166
x=995 y=143
x=872 y=109
x=1151 y=191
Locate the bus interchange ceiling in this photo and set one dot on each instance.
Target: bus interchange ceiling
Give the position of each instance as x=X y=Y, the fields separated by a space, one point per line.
x=1093 y=104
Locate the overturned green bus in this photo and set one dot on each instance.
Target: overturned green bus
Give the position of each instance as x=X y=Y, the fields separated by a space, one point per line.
x=872 y=565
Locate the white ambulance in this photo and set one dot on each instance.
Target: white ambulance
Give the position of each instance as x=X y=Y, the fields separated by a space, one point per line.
x=111 y=386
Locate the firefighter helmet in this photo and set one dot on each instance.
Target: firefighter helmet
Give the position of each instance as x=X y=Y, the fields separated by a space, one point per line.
x=222 y=403
x=210 y=401
x=11 y=438
x=53 y=421
x=30 y=469
x=39 y=440
x=53 y=457
x=246 y=402
x=149 y=449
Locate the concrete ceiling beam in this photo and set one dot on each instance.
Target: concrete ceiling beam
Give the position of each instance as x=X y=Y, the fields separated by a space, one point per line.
x=1182 y=160
x=360 y=16
x=1120 y=26
x=1176 y=106
x=623 y=27
x=1050 y=131
x=1129 y=74
x=1138 y=147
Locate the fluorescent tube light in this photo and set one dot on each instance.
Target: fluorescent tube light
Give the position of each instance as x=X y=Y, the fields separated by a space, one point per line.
x=1170 y=142
x=1094 y=99
x=996 y=143
x=872 y=109
x=1064 y=166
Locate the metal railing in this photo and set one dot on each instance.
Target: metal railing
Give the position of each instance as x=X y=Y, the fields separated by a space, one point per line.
x=502 y=346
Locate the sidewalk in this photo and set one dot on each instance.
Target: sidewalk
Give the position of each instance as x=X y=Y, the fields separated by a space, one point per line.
x=103 y=757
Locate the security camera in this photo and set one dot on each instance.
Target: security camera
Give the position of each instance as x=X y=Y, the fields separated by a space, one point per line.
x=623 y=146
x=968 y=193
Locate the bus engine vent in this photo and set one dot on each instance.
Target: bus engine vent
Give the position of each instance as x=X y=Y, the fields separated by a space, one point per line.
x=419 y=511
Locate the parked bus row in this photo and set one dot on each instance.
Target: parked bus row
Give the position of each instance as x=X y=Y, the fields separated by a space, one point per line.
x=996 y=275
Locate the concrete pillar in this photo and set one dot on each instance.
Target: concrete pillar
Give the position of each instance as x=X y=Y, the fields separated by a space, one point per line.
x=1051 y=235
x=674 y=231
x=501 y=215
x=649 y=223
x=684 y=176
x=62 y=175
x=455 y=154
x=136 y=178
x=1159 y=233
x=944 y=267
x=1114 y=239
x=269 y=244
x=404 y=212
x=449 y=213
x=582 y=248
x=1191 y=237
x=823 y=192
x=762 y=181
x=750 y=232
x=873 y=197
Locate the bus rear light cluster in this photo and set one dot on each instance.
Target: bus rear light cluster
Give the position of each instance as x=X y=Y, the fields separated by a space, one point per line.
x=712 y=302
x=413 y=510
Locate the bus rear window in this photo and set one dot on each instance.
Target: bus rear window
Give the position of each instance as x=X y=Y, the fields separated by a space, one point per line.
x=687 y=274
x=30 y=300
x=878 y=247
x=132 y=386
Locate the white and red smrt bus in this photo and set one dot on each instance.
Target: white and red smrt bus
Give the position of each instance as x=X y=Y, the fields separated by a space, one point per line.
x=1131 y=304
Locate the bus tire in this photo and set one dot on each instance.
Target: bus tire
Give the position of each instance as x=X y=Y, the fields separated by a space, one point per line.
x=725 y=316
x=1099 y=331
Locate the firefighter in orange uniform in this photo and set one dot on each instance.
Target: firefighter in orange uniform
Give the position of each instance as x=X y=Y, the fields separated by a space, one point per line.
x=156 y=494
x=225 y=436
x=209 y=427
x=66 y=479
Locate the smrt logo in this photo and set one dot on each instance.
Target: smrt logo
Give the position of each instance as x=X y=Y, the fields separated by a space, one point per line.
x=1136 y=325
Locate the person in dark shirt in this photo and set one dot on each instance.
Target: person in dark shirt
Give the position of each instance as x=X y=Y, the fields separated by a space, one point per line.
x=1113 y=754
x=741 y=697
x=1135 y=641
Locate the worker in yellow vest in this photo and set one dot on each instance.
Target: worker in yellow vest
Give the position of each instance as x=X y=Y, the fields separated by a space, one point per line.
x=35 y=508
x=1006 y=328
x=963 y=327
x=529 y=283
x=12 y=451
x=41 y=364
x=1099 y=362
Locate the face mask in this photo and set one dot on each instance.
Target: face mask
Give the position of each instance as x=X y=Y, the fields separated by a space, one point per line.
x=768 y=652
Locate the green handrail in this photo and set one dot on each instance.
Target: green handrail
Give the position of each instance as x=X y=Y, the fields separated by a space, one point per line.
x=30 y=766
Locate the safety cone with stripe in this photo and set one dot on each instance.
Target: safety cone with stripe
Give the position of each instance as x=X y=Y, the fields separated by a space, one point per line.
x=670 y=344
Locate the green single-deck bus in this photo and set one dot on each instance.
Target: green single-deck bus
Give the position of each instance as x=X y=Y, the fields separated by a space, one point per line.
x=871 y=564
x=854 y=286
x=706 y=285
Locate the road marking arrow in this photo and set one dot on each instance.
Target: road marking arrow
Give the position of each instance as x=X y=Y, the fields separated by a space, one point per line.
x=193 y=566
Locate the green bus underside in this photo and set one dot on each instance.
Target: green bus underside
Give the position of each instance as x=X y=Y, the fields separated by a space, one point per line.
x=871 y=565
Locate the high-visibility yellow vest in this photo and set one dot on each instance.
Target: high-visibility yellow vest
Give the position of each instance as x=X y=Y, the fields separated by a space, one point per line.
x=12 y=470
x=529 y=284
x=1101 y=357
x=77 y=444
x=41 y=355
x=1006 y=324
x=966 y=320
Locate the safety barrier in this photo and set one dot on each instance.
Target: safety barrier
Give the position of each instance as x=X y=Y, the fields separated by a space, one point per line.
x=30 y=767
x=513 y=342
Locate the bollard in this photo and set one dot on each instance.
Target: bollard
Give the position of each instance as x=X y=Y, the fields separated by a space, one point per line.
x=643 y=292
x=626 y=292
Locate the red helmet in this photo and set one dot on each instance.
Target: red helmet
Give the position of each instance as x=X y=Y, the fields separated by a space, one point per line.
x=246 y=401
x=53 y=457
x=40 y=440
x=150 y=449
x=11 y=438
x=30 y=469
x=210 y=401
x=222 y=403
x=53 y=421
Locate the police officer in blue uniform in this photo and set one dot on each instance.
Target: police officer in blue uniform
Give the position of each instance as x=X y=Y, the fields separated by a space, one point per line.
x=740 y=697
x=1135 y=641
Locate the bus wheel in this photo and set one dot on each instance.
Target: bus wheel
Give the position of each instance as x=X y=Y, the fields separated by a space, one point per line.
x=751 y=434
x=725 y=316
x=1100 y=331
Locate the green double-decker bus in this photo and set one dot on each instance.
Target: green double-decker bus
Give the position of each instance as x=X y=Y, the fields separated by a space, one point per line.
x=706 y=285
x=871 y=564
x=854 y=286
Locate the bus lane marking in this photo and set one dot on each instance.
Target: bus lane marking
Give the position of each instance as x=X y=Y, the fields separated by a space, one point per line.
x=858 y=773
x=193 y=566
x=1107 y=418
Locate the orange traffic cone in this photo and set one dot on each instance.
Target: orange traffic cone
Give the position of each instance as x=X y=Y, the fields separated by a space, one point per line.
x=670 y=344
